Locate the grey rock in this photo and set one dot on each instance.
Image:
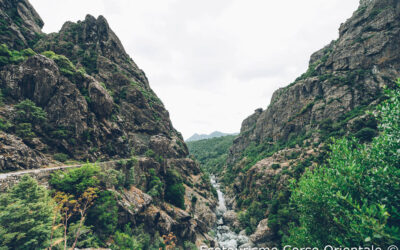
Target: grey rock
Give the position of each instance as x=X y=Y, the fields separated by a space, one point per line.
x=16 y=155
x=263 y=232
x=102 y=103
x=230 y=217
x=348 y=73
x=23 y=24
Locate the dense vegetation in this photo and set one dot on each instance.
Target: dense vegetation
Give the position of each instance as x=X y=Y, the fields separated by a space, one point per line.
x=80 y=210
x=26 y=215
x=273 y=202
x=174 y=190
x=353 y=194
x=211 y=153
x=355 y=197
x=13 y=56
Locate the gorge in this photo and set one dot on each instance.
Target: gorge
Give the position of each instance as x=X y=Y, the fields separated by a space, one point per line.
x=88 y=150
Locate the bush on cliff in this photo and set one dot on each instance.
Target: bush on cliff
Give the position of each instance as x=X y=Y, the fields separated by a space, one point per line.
x=66 y=67
x=174 y=190
x=60 y=157
x=13 y=56
x=28 y=112
x=77 y=180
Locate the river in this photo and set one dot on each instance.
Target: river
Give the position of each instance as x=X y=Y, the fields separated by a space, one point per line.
x=225 y=236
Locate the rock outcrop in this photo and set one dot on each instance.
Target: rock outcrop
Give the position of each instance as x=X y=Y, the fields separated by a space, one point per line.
x=111 y=102
x=20 y=24
x=348 y=73
x=344 y=79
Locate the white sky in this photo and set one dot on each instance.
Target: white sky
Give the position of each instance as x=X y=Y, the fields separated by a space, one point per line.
x=213 y=62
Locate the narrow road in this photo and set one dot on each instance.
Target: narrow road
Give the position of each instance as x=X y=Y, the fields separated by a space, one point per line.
x=37 y=170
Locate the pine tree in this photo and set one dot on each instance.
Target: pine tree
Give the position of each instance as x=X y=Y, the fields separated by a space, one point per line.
x=26 y=214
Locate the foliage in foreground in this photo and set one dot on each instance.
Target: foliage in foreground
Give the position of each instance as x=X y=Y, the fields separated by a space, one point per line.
x=353 y=200
x=26 y=215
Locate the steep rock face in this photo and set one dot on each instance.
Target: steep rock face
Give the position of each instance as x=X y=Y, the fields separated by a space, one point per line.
x=344 y=79
x=20 y=25
x=16 y=155
x=348 y=73
x=112 y=102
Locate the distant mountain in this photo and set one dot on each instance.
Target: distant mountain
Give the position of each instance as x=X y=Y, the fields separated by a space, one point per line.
x=211 y=153
x=197 y=137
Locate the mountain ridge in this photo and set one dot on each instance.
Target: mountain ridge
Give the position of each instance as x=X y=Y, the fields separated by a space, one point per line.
x=197 y=137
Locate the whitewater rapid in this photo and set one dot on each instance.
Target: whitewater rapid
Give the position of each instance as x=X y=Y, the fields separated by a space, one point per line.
x=225 y=236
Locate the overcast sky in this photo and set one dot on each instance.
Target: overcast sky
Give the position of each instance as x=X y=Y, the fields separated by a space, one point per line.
x=213 y=62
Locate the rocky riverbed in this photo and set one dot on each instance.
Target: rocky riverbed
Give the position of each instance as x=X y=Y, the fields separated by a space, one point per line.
x=224 y=234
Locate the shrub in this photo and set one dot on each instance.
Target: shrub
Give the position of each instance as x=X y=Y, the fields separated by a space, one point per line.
x=123 y=240
x=66 y=67
x=4 y=51
x=366 y=134
x=103 y=215
x=28 y=112
x=189 y=245
x=174 y=191
x=127 y=172
x=136 y=239
x=89 y=61
x=275 y=166
x=60 y=157
x=150 y=153
x=7 y=56
x=77 y=180
x=28 y=52
x=155 y=184
x=250 y=218
x=5 y=125
x=61 y=133
x=86 y=237
x=24 y=130
x=110 y=178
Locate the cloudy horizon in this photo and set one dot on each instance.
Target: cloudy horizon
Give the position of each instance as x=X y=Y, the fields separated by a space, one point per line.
x=212 y=63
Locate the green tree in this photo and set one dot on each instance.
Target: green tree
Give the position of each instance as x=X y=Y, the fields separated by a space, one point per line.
x=77 y=180
x=136 y=239
x=26 y=213
x=28 y=112
x=104 y=214
x=24 y=130
x=174 y=189
x=125 y=241
x=155 y=184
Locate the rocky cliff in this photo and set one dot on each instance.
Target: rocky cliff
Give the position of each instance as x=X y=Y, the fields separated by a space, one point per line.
x=76 y=95
x=96 y=94
x=344 y=79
